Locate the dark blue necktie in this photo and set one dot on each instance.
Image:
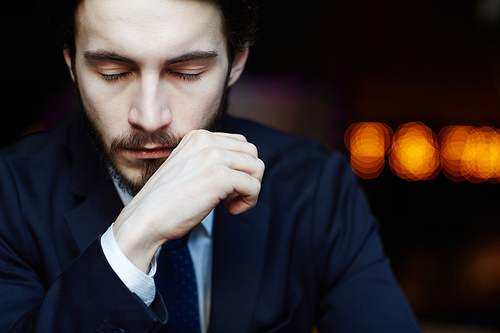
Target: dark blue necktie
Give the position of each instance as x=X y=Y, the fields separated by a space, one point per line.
x=176 y=281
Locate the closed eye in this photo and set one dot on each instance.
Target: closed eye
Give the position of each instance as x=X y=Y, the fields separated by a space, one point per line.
x=114 y=77
x=182 y=76
x=187 y=77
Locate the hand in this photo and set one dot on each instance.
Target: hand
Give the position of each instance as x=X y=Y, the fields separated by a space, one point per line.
x=203 y=170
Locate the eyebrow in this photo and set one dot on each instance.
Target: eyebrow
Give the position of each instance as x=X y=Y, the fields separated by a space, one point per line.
x=196 y=55
x=100 y=55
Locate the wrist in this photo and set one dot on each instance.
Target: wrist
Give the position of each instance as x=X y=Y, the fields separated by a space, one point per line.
x=135 y=245
x=136 y=281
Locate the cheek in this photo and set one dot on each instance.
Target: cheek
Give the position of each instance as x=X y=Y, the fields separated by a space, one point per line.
x=103 y=111
x=195 y=106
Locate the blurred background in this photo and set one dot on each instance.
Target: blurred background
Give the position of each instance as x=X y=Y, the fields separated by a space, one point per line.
x=318 y=68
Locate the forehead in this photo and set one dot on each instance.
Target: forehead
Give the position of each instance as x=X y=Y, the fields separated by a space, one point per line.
x=147 y=27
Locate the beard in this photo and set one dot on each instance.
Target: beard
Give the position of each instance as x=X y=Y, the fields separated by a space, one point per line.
x=139 y=139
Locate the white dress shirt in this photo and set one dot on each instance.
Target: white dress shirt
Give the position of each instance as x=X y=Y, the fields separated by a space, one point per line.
x=200 y=248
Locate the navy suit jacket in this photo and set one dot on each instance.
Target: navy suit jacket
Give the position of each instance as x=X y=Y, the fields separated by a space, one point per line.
x=308 y=254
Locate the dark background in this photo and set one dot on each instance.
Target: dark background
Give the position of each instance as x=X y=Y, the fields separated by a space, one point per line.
x=317 y=67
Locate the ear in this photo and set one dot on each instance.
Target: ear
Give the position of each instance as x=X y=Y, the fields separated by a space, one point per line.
x=238 y=65
x=67 y=59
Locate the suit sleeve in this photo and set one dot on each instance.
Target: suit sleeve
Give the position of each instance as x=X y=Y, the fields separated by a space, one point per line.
x=89 y=296
x=86 y=296
x=359 y=292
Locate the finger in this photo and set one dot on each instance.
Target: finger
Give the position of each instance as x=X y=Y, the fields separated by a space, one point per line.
x=200 y=139
x=245 y=195
x=240 y=137
x=235 y=142
x=234 y=160
x=237 y=205
x=246 y=163
x=205 y=135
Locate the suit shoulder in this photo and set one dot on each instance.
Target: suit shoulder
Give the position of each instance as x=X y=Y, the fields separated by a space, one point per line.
x=274 y=144
x=42 y=142
x=50 y=157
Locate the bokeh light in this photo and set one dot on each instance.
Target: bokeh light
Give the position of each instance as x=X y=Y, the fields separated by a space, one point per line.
x=368 y=144
x=415 y=152
x=471 y=153
x=453 y=140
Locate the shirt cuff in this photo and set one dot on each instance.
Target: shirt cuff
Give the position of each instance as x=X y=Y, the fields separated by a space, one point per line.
x=137 y=281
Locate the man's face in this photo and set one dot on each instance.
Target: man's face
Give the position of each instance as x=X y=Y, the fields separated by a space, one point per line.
x=148 y=72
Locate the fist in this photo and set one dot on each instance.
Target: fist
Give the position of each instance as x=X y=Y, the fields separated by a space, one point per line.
x=204 y=169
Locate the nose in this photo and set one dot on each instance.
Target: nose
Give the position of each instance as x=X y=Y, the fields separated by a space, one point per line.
x=149 y=111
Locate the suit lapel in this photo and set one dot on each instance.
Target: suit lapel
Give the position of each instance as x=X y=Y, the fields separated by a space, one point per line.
x=91 y=185
x=238 y=258
x=95 y=214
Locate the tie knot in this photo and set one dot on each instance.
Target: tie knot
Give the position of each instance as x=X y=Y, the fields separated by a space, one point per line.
x=176 y=243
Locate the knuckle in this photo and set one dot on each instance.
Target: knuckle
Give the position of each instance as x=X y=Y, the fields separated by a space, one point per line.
x=253 y=149
x=257 y=185
x=259 y=168
x=211 y=153
x=200 y=136
x=240 y=137
x=262 y=165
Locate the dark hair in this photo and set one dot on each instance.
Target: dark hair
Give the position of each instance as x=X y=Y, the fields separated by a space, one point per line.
x=239 y=23
x=240 y=19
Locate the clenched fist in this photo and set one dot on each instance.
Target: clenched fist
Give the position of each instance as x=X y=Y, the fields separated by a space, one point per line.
x=204 y=169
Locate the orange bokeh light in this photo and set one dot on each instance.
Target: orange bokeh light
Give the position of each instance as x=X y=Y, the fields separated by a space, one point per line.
x=463 y=152
x=471 y=153
x=453 y=140
x=415 y=152
x=368 y=144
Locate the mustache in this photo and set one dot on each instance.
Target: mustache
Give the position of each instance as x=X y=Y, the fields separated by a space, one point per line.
x=140 y=139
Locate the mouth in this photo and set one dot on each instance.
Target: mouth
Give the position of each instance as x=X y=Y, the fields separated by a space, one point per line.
x=144 y=153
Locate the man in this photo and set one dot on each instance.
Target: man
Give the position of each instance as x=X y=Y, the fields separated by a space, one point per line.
x=84 y=236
